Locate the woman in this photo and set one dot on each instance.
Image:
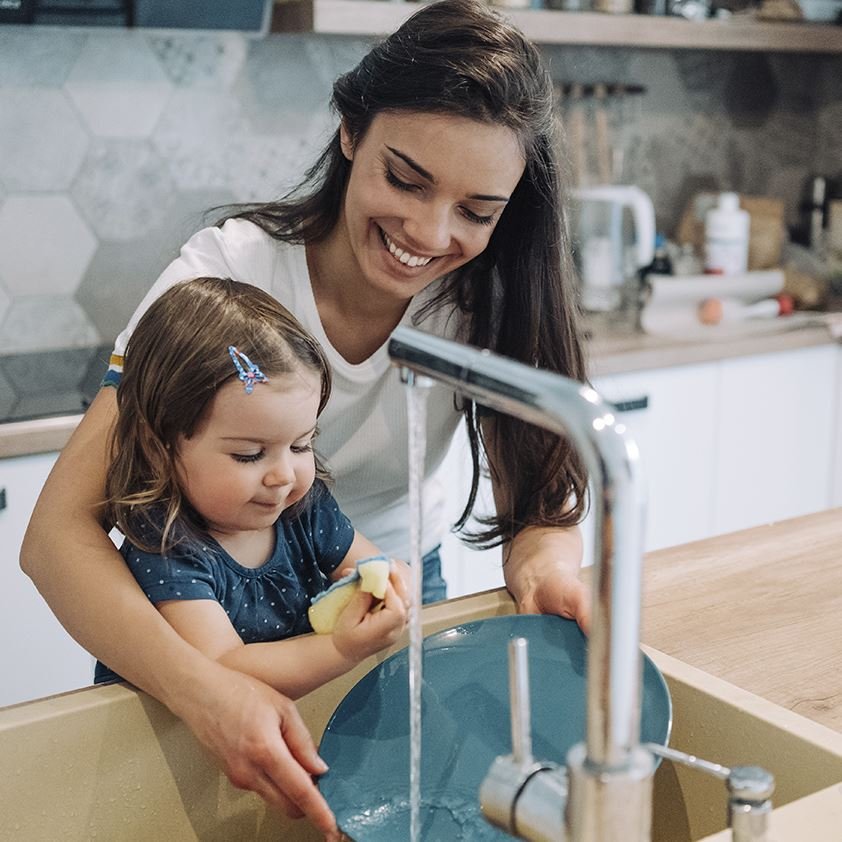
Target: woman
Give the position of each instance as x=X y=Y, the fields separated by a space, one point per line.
x=436 y=203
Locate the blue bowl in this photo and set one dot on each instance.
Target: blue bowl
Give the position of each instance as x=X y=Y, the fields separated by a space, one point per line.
x=465 y=724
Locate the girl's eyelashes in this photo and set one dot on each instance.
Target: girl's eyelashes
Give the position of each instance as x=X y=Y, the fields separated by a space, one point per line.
x=248 y=457
x=406 y=187
x=302 y=448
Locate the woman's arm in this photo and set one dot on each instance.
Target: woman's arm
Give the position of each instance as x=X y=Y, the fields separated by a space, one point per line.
x=541 y=564
x=257 y=735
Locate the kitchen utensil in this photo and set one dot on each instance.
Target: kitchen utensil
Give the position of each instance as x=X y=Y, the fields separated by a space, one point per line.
x=465 y=725
x=614 y=238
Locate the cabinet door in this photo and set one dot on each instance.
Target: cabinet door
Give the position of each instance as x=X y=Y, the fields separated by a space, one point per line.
x=465 y=569
x=37 y=656
x=671 y=414
x=836 y=486
x=776 y=433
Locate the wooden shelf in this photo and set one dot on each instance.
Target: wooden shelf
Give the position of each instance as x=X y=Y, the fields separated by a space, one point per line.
x=544 y=26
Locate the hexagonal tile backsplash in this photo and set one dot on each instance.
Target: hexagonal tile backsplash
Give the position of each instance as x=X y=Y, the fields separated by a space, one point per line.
x=114 y=142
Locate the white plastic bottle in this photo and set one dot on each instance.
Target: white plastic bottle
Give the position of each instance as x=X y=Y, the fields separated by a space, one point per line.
x=726 y=237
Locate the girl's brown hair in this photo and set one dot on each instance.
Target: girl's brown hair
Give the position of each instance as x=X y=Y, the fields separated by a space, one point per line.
x=176 y=361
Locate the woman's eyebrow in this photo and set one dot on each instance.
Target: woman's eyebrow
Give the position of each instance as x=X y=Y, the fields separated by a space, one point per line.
x=480 y=197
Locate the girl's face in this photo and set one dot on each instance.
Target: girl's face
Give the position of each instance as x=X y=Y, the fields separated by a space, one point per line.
x=424 y=195
x=252 y=456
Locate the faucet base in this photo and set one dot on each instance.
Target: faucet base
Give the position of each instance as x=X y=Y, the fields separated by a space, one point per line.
x=607 y=804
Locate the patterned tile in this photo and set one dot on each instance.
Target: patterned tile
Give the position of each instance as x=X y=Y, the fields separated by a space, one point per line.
x=42 y=142
x=279 y=83
x=37 y=57
x=200 y=61
x=120 y=274
x=118 y=85
x=123 y=188
x=39 y=322
x=194 y=136
x=45 y=246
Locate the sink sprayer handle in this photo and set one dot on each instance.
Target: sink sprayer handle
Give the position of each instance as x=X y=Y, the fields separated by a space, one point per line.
x=749 y=788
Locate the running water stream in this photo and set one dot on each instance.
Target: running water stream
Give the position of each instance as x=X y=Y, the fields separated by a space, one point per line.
x=417 y=389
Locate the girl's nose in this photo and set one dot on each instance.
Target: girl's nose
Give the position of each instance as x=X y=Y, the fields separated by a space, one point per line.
x=429 y=228
x=280 y=472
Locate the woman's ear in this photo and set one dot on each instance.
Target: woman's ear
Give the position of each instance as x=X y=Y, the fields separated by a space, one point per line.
x=346 y=141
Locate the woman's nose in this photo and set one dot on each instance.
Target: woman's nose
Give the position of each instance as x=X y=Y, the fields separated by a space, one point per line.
x=429 y=228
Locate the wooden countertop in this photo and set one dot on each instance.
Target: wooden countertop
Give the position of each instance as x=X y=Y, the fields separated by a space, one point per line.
x=761 y=608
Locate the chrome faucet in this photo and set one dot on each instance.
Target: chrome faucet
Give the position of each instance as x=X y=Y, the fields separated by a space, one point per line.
x=606 y=792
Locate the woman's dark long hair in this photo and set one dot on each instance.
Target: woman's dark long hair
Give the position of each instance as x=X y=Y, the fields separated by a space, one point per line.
x=457 y=57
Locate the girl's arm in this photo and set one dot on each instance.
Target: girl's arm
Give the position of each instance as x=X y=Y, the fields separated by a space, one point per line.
x=296 y=665
x=257 y=735
x=541 y=564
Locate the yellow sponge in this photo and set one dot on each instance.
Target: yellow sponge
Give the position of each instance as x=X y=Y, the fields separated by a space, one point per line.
x=371 y=576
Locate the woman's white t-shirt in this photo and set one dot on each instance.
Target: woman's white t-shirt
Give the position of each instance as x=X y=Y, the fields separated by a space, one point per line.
x=363 y=430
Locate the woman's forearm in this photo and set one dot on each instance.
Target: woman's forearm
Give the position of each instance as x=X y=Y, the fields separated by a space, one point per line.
x=83 y=578
x=293 y=666
x=536 y=551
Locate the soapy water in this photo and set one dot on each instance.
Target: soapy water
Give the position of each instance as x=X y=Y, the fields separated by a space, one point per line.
x=448 y=817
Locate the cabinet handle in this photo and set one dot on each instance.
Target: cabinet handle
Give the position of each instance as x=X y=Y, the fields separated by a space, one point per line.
x=2 y=499
x=632 y=405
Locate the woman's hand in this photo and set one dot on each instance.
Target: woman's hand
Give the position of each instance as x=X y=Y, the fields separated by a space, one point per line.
x=364 y=627
x=260 y=741
x=542 y=574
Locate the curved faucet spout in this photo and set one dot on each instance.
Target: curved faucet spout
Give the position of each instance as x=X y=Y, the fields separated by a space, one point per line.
x=611 y=457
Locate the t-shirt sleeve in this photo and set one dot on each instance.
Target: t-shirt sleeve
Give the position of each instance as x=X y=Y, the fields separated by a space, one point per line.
x=332 y=532
x=177 y=577
x=238 y=250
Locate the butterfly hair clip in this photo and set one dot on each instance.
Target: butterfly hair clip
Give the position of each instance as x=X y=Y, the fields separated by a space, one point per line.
x=247 y=371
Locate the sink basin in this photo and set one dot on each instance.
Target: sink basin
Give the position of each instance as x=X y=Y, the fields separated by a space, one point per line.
x=111 y=763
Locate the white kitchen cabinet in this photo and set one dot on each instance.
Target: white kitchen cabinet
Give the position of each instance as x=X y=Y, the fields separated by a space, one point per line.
x=775 y=441
x=836 y=484
x=37 y=656
x=671 y=413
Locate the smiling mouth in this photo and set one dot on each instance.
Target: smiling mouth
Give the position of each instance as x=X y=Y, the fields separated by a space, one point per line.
x=404 y=257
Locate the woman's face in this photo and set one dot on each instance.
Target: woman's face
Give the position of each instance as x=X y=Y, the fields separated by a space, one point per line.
x=424 y=196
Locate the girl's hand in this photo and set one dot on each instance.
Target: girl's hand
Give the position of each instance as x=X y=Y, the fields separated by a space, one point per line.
x=366 y=626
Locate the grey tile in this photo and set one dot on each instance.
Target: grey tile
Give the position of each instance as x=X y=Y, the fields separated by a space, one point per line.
x=35 y=56
x=42 y=142
x=123 y=188
x=262 y=168
x=120 y=274
x=46 y=372
x=8 y=396
x=279 y=83
x=35 y=405
x=39 y=322
x=200 y=61
x=194 y=135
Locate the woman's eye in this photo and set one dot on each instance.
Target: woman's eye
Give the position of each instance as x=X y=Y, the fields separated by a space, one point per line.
x=475 y=217
x=400 y=185
x=247 y=457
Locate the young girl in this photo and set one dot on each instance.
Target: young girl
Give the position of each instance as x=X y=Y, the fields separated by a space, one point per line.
x=229 y=527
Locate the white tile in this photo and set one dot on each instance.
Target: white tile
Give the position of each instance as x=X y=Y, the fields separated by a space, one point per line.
x=118 y=85
x=45 y=246
x=36 y=56
x=42 y=142
x=43 y=322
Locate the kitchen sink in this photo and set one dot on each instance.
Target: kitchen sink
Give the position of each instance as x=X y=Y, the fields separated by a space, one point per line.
x=110 y=762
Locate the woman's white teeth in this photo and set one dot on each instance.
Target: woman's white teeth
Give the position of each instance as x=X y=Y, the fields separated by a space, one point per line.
x=404 y=256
